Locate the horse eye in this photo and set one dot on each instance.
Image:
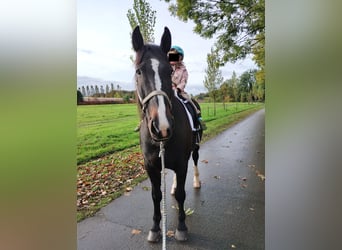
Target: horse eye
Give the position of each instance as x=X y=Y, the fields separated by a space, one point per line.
x=138 y=71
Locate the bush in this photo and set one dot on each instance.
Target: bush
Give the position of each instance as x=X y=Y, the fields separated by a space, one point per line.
x=79 y=97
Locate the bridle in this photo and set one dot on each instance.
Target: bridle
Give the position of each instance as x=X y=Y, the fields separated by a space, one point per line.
x=144 y=101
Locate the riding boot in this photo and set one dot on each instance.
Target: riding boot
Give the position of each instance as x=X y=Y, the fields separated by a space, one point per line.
x=199 y=117
x=201 y=122
x=197 y=111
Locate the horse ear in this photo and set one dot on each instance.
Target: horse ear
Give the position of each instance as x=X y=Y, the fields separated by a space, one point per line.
x=165 y=42
x=137 y=39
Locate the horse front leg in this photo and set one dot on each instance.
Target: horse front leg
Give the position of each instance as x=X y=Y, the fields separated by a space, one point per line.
x=174 y=184
x=195 y=156
x=154 y=234
x=182 y=230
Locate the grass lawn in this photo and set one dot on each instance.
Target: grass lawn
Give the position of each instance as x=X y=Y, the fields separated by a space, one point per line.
x=104 y=129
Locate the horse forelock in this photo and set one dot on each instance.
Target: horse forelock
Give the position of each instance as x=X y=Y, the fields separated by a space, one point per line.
x=148 y=51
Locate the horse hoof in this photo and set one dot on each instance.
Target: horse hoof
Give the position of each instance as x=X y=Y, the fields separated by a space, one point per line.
x=153 y=236
x=197 y=185
x=181 y=235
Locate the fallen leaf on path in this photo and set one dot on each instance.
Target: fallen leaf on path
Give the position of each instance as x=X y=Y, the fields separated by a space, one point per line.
x=262 y=177
x=205 y=161
x=189 y=212
x=170 y=233
x=136 y=231
x=243 y=178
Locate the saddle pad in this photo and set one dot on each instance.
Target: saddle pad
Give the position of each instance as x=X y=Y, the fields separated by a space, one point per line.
x=187 y=111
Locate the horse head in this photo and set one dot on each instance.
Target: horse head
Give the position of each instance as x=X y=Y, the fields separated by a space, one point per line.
x=153 y=84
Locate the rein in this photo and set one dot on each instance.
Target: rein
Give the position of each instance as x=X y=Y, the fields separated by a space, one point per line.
x=164 y=212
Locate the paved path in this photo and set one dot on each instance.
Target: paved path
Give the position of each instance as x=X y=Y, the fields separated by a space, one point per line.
x=229 y=209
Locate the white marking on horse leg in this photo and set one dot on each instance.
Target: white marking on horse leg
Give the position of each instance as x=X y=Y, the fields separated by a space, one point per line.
x=174 y=184
x=163 y=121
x=197 y=182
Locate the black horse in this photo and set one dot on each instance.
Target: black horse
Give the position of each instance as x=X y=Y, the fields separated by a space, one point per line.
x=163 y=119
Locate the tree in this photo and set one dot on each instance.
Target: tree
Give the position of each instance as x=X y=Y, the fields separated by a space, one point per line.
x=84 y=93
x=79 y=97
x=213 y=77
x=143 y=15
x=232 y=84
x=259 y=58
x=237 y=24
x=224 y=91
x=246 y=85
x=101 y=90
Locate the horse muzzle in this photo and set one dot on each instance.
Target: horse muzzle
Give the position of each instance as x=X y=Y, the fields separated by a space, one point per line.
x=160 y=131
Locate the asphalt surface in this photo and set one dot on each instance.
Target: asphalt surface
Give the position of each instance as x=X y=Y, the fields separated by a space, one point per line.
x=229 y=209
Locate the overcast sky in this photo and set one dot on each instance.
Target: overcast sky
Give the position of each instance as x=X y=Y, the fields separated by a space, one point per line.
x=104 y=43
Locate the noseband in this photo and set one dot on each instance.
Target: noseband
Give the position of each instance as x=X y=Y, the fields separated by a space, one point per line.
x=145 y=101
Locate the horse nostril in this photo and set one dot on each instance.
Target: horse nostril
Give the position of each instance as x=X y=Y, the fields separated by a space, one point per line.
x=155 y=127
x=169 y=132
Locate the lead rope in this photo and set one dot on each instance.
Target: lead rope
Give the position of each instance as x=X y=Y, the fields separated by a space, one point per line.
x=161 y=155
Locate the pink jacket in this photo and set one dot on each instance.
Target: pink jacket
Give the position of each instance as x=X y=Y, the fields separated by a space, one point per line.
x=179 y=76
